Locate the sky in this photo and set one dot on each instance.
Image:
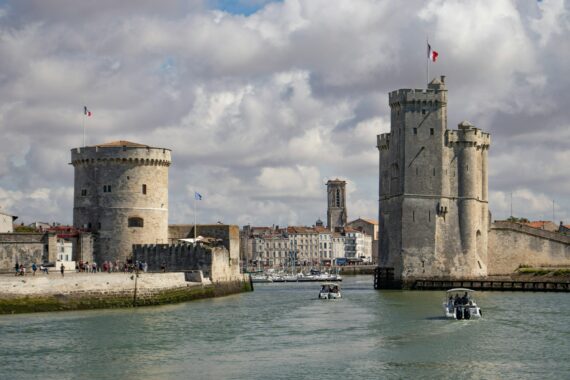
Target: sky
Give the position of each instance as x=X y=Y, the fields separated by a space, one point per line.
x=262 y=102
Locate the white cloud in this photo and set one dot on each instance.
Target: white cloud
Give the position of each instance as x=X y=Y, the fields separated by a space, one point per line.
x=259 y=109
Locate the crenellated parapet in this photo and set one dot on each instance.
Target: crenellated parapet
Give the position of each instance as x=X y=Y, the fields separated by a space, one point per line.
x=115 y=153
x=417 y=99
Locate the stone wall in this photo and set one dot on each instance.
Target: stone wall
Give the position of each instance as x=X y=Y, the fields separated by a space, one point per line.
x=78 y=291
x=227 y=233
x=26 y=249
x=513 y=244
x=214 y=262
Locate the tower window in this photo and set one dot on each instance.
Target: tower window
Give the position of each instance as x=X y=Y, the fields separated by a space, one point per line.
x=415 y=131
x=429 y=215
x=432 y=131
x=423 y=112
x=434 y=172
x=144 y=188
x=337 y=200
x=136 y=222
x=83 y=192
x=106 y=188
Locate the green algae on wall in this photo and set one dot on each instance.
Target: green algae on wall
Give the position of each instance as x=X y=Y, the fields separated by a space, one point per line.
x=108 y=300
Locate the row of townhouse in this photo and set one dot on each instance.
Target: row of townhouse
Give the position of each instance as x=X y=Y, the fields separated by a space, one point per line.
x=282 y=247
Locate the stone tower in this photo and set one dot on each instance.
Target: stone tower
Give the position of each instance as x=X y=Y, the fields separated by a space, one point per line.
x=121 y=194
x=336 y=210
x=433 y=207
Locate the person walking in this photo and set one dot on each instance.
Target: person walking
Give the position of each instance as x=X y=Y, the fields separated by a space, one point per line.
x=34 y=268
x=62 y=269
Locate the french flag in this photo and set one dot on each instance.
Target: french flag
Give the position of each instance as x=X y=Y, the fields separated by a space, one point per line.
x=432 y=54
x=86 y=112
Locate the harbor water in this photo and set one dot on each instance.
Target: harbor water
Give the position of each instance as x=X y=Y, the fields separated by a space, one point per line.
x=282 y=331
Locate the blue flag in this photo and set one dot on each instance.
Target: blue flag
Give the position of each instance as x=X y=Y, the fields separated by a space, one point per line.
x=197 y=196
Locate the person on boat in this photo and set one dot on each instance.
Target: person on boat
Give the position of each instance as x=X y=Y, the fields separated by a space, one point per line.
x=456 y=300
x=465 y=299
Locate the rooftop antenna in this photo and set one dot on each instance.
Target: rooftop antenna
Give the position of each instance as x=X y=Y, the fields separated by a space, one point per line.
x=511 y=204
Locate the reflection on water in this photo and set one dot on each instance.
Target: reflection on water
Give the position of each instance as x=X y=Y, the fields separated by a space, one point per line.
x=281 y=331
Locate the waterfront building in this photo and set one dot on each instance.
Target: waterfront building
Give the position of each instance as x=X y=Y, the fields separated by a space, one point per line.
x=304 y=243
x=370 y=228
x=325 y=245
x=338 y=242
x=64 y=250
x=121 y=195
x=7 y=222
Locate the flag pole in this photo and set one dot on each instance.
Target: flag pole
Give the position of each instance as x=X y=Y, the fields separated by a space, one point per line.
x=83 y=124
x=194 y=218
x=427 y=61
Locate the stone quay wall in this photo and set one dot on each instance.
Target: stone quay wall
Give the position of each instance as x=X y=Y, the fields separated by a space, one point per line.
x=26 y=249
x=512 y=245
x=78 y=291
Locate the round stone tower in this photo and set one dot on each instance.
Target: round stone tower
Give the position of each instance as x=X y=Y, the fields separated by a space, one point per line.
x=121 y=195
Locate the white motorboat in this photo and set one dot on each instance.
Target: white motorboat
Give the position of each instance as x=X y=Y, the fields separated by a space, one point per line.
x=260 y=278
x=329 y=291
x=459 y=303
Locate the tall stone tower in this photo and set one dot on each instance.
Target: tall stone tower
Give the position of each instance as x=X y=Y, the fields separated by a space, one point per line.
x=433 y=207
x=336 y=210
x=121 y=194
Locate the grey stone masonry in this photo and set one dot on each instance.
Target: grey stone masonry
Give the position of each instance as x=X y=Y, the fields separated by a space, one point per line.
x=433 y=206
x=121 y=195
x=336 y=204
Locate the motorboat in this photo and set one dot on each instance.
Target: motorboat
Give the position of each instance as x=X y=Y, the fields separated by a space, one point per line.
x=329 y=290
x=459 y=303
x=258 y=278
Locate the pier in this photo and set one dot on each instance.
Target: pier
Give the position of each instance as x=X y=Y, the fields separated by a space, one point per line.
x=384 y=279
x=504 y=285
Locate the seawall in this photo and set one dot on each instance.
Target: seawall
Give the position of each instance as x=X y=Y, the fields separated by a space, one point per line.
x=80 y=291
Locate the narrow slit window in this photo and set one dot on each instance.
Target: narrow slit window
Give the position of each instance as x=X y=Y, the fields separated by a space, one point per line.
x=144 y=188
x=432 y=131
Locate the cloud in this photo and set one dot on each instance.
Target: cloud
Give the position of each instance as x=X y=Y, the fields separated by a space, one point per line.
x=261 y=106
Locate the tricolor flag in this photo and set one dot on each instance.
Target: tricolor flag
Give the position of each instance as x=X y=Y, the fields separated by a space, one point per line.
x=86 y=112
x=197 y=196
x=432 y=54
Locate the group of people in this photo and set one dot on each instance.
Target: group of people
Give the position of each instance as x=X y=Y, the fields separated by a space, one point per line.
x=21 y=269
x=111 y=267
x=457 y=301
x=87 y=267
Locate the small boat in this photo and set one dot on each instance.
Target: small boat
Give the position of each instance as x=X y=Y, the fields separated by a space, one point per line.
x=329 y=290
x=258 y=278
x=459 y=303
